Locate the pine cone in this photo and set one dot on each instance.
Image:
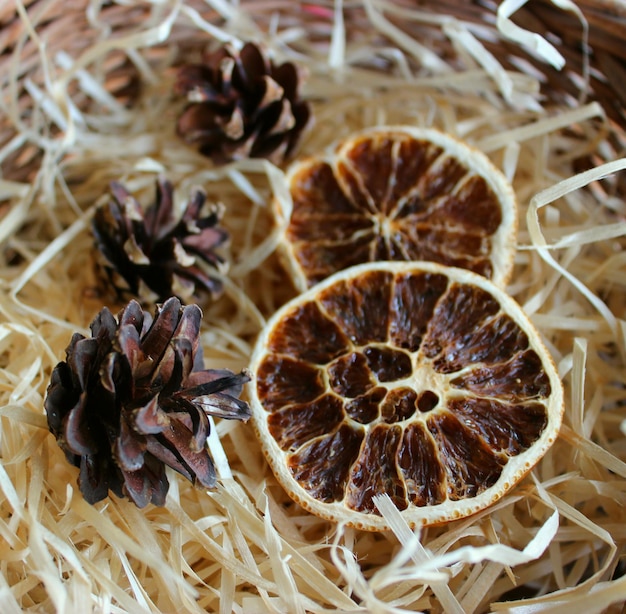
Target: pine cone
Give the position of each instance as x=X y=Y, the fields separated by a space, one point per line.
x=242 y=105
x=153 y=256
x=134 y=398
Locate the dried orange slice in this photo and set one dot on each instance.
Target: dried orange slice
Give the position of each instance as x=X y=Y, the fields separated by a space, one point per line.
x=398 y=193
x=420 y=381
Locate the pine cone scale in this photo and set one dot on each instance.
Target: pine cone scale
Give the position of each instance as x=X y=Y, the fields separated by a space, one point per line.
x=134 y=253
x=273 y=94
x=129 y=448
x=109 y=373
x=199 y=241
x=141 y=365
x=217 y=397
x=195 y=420
x=250 y=61
x=76 y=430
x=190 y=219
x=157 y=338
x=150 y=419
x=133 y=315
x=285 y=121
x=199 y=464
x=233 y=126
x=202 y=124
x=223 y=406
x=159 y=216
x=287 y=77
x=181 y=257
x=211 y=386
x=195 y=273
x=81 y=357
x=93 y=479
x=148 y=485
x=59 y=397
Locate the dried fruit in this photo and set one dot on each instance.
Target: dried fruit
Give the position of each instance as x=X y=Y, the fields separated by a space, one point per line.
x=135 y=397
x=399 y=193
x=153 y=255
x=416 y=380
x=241 y=105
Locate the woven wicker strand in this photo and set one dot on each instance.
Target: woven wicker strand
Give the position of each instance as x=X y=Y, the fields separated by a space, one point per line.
x=53 y=20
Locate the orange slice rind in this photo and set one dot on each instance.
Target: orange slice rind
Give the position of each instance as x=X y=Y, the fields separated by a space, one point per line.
x=397 y=193
x=423 y=382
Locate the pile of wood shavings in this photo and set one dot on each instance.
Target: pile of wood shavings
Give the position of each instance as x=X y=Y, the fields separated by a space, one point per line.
x=553 y=544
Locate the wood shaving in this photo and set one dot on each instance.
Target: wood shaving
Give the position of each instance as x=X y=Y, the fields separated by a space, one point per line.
x=555 y=543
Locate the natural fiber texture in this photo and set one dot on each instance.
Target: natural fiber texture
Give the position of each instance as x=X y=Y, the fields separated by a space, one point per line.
x=86 y=100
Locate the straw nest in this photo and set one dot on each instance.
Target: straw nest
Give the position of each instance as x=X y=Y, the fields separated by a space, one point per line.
x=86 y=99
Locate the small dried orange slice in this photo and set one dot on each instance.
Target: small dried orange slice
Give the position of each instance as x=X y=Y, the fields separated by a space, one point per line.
x=420 y=381
x=398 y=193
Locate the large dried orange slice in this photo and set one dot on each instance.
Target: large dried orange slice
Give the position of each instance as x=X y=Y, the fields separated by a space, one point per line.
x=398 y=193
x=420 y=381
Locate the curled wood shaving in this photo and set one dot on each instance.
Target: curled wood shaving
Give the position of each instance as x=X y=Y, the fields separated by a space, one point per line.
x=551 y=545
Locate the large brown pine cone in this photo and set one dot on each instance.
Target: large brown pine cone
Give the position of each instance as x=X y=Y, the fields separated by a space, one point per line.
x=152 y=255
x=135 y=397
x=241 y=105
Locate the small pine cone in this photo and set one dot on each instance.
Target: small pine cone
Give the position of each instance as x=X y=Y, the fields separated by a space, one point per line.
x=241 y=105
x=152 y=255
x=135 y=397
